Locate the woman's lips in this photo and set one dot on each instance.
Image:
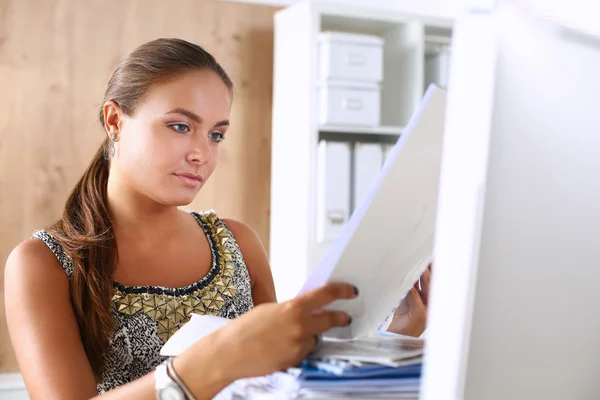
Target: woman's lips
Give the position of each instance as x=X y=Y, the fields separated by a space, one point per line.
x=189 y=179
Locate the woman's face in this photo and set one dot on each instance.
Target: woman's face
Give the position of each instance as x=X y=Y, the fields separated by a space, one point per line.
x=170 y=146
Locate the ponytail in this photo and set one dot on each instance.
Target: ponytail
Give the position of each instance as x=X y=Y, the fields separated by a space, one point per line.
x=86 y=233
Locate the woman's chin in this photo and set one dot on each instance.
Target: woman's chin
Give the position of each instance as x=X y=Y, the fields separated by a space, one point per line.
x=178 y=200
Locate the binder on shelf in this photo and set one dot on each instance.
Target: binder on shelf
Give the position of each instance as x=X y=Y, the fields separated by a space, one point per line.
x=333 y=190
x=387 y=148
x=380 y=130
x=368 y=161
x=437 y=65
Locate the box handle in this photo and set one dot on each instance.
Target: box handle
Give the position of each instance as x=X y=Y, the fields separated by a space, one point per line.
x=352 y=104
x=336 y=217
x=355 y=59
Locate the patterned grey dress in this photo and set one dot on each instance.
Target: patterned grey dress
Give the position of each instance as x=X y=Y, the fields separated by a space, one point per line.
x=146 y=316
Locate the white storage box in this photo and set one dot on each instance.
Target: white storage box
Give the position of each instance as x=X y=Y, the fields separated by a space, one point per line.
x=350 y=56
x=349 y=103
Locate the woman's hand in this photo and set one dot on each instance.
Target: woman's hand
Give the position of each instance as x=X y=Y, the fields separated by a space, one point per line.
x=410 y=317
x=269 y=338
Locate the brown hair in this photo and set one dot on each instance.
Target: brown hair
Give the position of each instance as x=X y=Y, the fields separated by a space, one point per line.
x=85 y=229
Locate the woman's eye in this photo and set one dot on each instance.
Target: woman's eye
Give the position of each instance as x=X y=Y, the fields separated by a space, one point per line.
x=181 y=128
x=217 y=136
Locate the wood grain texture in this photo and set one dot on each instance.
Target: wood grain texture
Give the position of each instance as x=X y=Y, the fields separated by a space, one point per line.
x=55 y=59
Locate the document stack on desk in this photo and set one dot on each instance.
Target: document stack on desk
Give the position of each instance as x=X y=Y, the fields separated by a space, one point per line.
x=371 y=367
x=366 y=368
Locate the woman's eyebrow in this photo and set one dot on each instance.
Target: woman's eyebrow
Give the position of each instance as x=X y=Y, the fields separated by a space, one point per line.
x=195 y=117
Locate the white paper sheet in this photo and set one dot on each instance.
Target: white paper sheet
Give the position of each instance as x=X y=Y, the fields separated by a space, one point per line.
x=195 y=329
x=388 y=242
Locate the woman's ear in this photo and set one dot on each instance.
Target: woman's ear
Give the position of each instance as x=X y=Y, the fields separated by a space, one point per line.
x=112 y=118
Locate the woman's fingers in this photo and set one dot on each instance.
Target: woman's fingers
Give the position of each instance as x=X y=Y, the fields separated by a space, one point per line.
x=425 y=284
x=414 y=301
x=323 y=321
x=326 y=294
x=309 y=344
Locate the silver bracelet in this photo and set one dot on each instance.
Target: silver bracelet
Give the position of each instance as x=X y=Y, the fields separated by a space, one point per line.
x=173 y=374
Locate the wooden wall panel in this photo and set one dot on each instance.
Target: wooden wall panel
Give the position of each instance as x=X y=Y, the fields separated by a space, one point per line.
x=55 y=59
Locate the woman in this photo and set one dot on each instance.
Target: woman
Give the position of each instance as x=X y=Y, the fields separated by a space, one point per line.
x=91 y=299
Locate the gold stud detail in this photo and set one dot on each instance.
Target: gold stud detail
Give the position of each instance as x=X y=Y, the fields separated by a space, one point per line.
x=225 y=287
x=211 y=217
x=116 y=296
x=166 y=329
x=229 y=271
x=129 y=304
x=175 y=312
x=227 y=256
x=222 y=235
x=153 y=307
x=212 y=300
x=191 y=306
x=199 y=309
x=178 y=316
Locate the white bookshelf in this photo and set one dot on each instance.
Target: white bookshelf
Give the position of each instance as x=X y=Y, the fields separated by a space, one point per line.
x=375 y=130
x=296 y=132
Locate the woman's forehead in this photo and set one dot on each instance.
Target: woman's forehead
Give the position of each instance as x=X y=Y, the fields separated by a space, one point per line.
x=201 y=92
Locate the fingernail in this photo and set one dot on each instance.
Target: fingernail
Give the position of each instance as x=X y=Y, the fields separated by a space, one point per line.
x=355 y=290
x=349 y=320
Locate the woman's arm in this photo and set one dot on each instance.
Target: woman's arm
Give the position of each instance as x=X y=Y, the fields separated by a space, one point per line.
x=42 y=325
x=204 y=370
x=46 y=340
x=257 y=261
x=54 y=365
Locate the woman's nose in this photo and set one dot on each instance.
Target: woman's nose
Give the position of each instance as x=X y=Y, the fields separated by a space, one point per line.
x=201 y=153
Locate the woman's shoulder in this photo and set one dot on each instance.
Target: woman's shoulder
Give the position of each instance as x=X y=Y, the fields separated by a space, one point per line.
x=48 y=242
x=33 y=251
x=32 y=264
x=211 y=218
x=250 y=245
x=241 y=231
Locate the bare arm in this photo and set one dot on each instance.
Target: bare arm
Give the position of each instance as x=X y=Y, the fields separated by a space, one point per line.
x=257 y=261
x=46 y=339
x=42 y=325
x=45 y=336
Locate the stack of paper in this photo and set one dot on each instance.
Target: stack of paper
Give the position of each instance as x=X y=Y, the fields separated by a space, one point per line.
x=383 y=350
x=375 y=368
x=362 y=368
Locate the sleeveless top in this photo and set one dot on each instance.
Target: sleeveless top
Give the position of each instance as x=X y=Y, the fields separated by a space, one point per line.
x=147 y=316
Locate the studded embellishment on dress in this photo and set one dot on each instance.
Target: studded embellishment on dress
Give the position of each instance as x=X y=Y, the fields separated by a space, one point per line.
x=178 y=310
x=147 y=316
x=225 y=287
x=128 y=304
